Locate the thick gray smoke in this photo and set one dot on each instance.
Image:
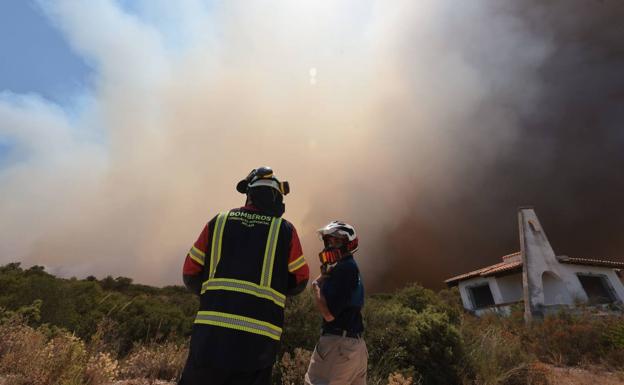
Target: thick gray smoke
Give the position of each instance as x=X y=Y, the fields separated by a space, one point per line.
x=422 y=123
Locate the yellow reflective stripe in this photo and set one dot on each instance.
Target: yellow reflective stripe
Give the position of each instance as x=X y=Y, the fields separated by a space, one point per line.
x=296 y=264
x=269 y=252
x=265 y=261
x=197 y=252
x=238 y=322
x=217 y=240
x=246 y=291
x=245 y=287
x=194 y=258
x=197 y=255
x=278 y=224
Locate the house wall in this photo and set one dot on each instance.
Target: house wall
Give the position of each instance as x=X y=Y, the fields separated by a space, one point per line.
x=556 y=290
x=465 y=295
x=510 y=287
x=614 y=280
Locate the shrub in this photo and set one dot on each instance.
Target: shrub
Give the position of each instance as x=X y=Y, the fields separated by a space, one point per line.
x=401 y=339
x=302 y=323
x=291 y=369
x=573 y=338
x=163 y=361
x=414 y=336
x=142 y=313
x=418 y=298
x=101 y=369
x=614 y=334
x=400 y=379
x=20 y=346
x=31 y=357
x=496 y=345
x=62 y=361
x=493 y=354
x=612 y=343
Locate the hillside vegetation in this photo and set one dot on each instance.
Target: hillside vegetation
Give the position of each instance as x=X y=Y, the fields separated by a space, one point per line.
x=71 y=331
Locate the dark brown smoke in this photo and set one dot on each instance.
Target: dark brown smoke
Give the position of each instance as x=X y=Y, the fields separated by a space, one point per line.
x=566 y=159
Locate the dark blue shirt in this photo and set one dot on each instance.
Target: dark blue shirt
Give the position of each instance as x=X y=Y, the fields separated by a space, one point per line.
x=344 y=294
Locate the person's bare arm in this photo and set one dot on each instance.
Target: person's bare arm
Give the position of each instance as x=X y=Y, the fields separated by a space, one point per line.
x=321 y=304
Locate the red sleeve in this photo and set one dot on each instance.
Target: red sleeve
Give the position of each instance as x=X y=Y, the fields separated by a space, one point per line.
x=297 y=264
x=194 y=262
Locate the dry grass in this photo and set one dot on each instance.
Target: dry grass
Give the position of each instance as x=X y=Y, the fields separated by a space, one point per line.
x=581 y=376
x=293 y=368
x=495 y=352
x=400 y=379
x=493 y=355
x=142 y=381
x=30 y=356
x=18 y=346
x=581 y=339
x=101 y=368
x=155 y=361
x=45 y=356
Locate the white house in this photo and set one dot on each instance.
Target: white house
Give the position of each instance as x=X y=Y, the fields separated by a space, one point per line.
x=538 y=278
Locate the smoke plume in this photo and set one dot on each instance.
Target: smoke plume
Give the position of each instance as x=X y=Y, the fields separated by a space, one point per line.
x=424 y=124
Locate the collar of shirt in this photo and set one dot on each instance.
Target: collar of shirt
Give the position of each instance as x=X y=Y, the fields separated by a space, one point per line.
x=346 y=258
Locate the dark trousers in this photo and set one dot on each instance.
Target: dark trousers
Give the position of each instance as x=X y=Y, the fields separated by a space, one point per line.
x=216 y=376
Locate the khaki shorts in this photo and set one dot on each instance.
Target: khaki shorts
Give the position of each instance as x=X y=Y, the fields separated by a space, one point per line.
x=338 y=360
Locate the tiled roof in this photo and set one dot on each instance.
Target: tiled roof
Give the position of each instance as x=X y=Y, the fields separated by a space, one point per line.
x=512 y=255
x=510 y=263
x=486 y=271
x=590 y=262
x=500 y=269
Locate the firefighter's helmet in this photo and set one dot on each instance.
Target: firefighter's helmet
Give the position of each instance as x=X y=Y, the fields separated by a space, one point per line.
x=264 y=191
x=262 y=176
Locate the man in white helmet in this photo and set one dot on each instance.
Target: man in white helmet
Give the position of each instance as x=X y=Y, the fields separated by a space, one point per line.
x=340 y=357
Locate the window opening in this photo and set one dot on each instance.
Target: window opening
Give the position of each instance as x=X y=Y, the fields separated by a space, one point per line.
x=597 y=288
x=482 y=296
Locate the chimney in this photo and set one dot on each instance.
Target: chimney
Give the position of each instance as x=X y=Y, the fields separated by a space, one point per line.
x=537 y=257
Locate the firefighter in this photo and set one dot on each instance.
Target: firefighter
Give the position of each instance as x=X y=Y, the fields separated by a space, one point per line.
x=243 y=265
x=340 y=357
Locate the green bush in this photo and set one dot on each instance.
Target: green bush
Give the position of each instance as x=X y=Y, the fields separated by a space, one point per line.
x=141 y=313
x=420 y=344
x=92 y=331
x=418 y=298
x=302 y=323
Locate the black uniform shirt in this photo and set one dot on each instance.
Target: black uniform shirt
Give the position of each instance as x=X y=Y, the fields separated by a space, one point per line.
x=344 y=294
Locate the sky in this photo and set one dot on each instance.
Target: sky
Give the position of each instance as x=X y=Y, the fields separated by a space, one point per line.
x=125 y=125
x=36 y=57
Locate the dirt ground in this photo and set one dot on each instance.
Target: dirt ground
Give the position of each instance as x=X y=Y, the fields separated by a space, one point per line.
x=577 y=376
x=554 y=375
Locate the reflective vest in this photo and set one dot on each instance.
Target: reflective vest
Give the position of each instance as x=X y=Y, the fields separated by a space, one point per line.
x=245 y=277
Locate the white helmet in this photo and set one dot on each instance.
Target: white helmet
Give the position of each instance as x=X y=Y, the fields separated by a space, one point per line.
x=341 y=230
